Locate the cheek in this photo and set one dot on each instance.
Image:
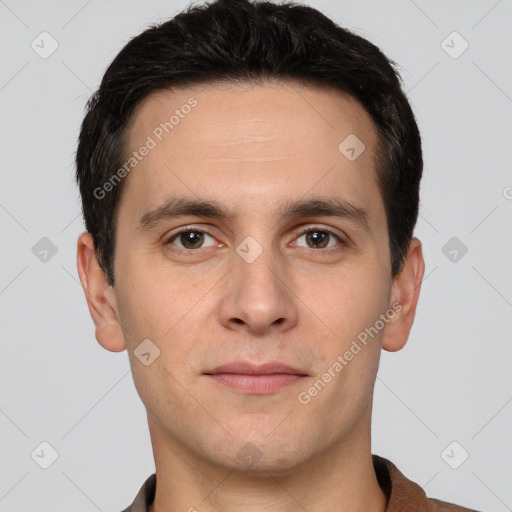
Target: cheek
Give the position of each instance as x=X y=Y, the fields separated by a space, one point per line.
x=350 y=300
x=149 y=298
x=170 y=310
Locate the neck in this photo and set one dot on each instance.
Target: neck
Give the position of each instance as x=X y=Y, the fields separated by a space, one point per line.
x=341 y=479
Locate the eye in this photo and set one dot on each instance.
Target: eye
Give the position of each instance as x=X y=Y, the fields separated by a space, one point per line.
x=315 y=238
x=189 y=239
x=319 y=238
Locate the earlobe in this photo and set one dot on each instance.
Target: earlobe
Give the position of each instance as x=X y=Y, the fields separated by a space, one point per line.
x=99 y=295
x=405 y=291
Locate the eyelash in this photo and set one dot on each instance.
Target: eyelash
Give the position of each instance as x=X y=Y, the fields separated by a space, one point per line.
x=305 y=230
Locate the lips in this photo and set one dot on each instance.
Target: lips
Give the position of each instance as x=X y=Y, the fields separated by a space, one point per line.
x=248 y=378
x=244 y=368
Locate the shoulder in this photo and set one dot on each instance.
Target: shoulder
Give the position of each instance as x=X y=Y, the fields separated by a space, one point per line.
x=444 y=506
x=404 y=495
x=144 y=497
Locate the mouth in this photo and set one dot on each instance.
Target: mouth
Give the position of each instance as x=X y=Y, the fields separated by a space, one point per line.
x=256 y=379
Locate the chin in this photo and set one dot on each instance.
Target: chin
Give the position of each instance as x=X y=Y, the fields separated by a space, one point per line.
x=259 y=458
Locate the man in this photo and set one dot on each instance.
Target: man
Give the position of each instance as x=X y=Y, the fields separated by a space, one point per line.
x=250 y=176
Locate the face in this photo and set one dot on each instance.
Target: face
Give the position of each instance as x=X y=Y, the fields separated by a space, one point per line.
x=266 y=282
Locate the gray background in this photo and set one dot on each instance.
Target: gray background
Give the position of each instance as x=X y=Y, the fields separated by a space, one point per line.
x=452 y=381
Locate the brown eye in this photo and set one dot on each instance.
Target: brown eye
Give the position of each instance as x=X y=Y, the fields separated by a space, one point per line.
x=189 y=239
x=319 y=238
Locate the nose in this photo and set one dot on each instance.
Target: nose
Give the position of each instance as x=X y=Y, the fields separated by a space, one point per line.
x=258 y=297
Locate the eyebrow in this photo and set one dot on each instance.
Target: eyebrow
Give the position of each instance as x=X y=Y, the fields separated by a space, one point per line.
x=182 y=206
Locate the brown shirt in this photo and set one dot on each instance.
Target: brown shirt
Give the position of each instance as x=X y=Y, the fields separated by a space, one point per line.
x=403 y=494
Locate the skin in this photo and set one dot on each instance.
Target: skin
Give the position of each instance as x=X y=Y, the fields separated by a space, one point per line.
x=252 y=148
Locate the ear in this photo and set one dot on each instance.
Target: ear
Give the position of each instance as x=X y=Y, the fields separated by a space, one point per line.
x=404 y=296
x=99 y=295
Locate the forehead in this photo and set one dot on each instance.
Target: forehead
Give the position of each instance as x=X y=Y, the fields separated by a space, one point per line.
x=292 y=112
x=267 y=141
